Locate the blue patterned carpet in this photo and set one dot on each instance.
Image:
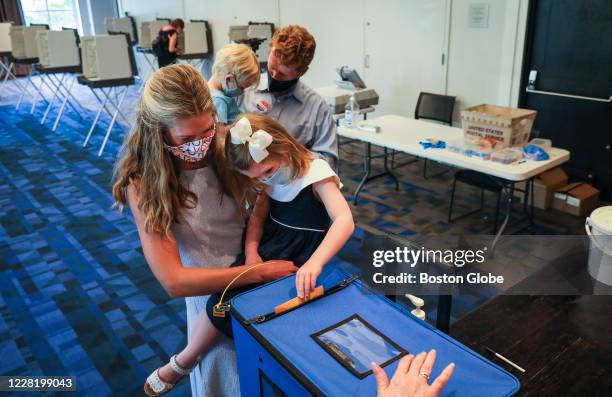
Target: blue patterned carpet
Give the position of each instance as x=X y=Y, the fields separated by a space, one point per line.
x=76 y=295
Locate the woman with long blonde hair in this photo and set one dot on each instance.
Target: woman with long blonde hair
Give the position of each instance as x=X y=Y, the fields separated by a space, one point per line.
x=186 y=210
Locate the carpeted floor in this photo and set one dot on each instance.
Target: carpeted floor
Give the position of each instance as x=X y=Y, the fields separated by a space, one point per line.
x=76 y=295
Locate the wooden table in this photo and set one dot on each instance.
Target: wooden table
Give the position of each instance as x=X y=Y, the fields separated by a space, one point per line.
x=563 y=342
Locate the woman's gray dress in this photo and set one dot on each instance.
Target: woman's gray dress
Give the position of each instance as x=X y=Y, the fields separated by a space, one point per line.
x=210 y=235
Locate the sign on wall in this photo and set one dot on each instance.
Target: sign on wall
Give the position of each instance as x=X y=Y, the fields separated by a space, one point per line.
x=478 y=15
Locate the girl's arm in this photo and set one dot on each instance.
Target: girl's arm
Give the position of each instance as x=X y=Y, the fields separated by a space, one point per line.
x=172 y=43
x=255 y=228
x=338 y=234
x=163 y=258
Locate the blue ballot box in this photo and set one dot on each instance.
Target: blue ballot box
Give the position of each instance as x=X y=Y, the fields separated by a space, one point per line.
x=325 y=347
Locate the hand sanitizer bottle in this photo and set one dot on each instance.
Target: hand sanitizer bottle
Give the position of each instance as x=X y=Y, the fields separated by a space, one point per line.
x=351 y=111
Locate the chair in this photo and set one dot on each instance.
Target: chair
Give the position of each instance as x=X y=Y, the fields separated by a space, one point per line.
x=433 y=107
x=484 y=182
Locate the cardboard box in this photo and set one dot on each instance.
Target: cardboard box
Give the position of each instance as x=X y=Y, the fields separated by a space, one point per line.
x=506 y=126
x=544 y=187
x=576 y=198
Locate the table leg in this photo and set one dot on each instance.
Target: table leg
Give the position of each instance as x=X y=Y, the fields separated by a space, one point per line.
x=389 y=171
x=444 y=313
x=367 y=166
x=531 y=212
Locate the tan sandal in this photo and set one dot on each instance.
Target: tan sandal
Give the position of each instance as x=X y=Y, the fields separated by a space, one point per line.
x=154 y=386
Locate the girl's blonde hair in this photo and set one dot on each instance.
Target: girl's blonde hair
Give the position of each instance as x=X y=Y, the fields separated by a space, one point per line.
x=284 y=147
x=239 y=60
x=172 y=93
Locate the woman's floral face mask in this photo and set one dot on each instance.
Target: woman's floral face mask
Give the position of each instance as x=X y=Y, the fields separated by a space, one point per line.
x=193 y=151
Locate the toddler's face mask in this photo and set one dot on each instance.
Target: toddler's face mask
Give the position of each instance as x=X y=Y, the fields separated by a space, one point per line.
x=193 y=151
x=231 y=88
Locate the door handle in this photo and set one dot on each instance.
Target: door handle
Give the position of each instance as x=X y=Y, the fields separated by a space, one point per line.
x=587 y=98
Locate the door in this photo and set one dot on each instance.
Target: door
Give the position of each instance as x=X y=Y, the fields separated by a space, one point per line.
x=569 y=44
x=404 y=43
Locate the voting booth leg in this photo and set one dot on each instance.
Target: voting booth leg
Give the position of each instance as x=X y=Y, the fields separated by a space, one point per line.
x=9 y=74
x=61 y=91
x=110 y=127
x=51 y=102
x=109 y=101
x=63 y=106
x=39 y=92
x=93 y=125
x=24 y=89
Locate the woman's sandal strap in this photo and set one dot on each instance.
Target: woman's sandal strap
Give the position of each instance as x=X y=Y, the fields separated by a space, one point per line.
x=177 y=368
x=158 y=386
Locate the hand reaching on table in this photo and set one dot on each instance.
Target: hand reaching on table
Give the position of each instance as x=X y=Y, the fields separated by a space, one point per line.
x=411 y=378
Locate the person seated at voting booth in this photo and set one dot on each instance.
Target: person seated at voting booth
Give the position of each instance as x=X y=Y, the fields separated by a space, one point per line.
x=165 y=46
x=283 y=96
x=236 y=68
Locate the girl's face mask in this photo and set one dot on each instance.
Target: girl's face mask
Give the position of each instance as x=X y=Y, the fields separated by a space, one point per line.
x=193 y=151
x=282 y=176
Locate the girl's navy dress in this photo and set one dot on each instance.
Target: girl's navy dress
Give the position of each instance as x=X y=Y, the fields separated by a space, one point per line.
x=296 y=225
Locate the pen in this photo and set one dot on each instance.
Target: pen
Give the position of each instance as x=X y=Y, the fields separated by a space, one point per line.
x=522 y=161
x=504 y=359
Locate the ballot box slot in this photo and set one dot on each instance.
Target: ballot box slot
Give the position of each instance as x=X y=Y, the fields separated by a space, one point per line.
x=269 y=316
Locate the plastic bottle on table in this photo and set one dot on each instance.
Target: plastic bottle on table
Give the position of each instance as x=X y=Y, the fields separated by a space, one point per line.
x=351 y=111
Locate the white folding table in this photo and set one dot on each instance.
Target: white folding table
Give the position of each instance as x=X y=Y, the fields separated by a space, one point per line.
x=404 y=134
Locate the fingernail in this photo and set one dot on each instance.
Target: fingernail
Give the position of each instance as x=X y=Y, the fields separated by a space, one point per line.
x=432 y=351
x=452 y=365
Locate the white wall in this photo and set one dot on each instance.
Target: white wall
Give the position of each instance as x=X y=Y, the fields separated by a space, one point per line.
x=485 y=63
x=404 y=38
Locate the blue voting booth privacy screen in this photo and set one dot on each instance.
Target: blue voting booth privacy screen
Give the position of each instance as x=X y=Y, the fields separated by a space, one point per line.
x=281 y=355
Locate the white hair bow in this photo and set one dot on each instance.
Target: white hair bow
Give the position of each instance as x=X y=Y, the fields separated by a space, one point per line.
x=259 y=140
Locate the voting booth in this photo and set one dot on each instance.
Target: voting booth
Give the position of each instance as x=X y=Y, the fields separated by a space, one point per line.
x=325 y=347
x=23 y=40
x=125 y=25
x=6 y=65
x=149 y=30
x=57 y=48
x=5 y=38
x=109 y=67
x=24 y=49
x=196 y=39
x=257 y=35
x=59 y=61
x=106 y=57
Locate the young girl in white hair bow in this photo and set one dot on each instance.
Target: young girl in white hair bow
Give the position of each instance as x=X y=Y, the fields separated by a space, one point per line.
x=300 y=214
